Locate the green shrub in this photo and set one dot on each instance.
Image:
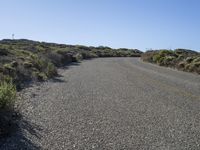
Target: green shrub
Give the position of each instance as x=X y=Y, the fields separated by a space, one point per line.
x=92 y=55
x=4 y=52
x=169 y=58
x=166 y=52
x=51 y=70
x=41 y=76
x=23 y=52
x=161 y=61
x=181 y=65
x=188 y=67
x=77 y=57
x=9 y=70
x=196 y=60
x=61 y=51
x=7 y=94
x=39 y=63
x=88 y=54
x=27 y=64
x=33 y=56
x=5 y=78
x=157 y=57
x=189 y=59
x=8 y=67
x=180 y=57
x=196 y=65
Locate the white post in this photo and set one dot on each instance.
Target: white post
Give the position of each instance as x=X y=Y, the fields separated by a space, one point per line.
x=13 y=36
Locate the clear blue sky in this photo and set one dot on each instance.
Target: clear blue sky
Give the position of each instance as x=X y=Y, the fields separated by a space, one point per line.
x=141 y=24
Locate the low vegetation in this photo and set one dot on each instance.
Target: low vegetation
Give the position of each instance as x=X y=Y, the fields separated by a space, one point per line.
x=7 y=99
x=7 y=95
x=23 y=61
x=181 y=59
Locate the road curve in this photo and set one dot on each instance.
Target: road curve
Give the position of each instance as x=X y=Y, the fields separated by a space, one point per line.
x=112 y=103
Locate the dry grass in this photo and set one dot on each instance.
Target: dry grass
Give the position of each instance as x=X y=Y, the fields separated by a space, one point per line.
x=185 y=60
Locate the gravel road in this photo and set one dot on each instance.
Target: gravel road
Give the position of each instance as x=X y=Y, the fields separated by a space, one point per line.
x=111 y=103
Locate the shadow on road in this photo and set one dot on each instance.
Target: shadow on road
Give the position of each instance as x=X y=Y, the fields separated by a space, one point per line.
x=68 y=66
x=19 y=138
x=57 y=79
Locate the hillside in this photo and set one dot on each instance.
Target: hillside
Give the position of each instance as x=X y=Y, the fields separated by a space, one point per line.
x=181 y=59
